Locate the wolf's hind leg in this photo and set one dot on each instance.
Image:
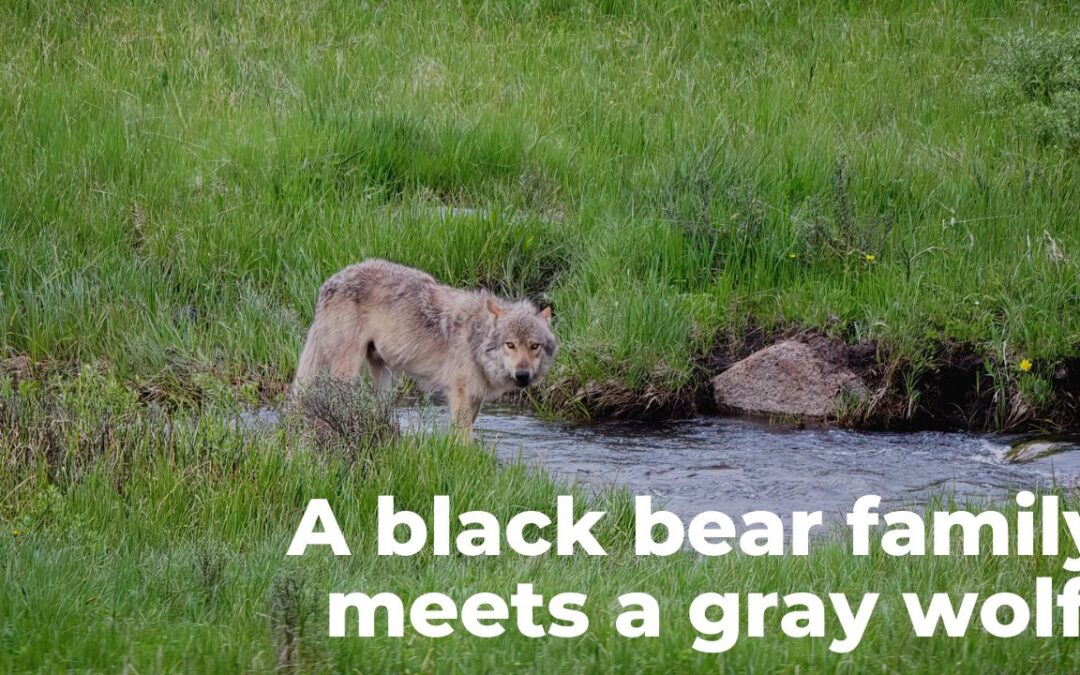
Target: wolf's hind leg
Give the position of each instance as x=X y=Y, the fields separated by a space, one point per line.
x=381 y=376
x=332 y=346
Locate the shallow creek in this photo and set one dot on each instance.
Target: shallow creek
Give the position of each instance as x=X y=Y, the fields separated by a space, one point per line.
x=738 y=465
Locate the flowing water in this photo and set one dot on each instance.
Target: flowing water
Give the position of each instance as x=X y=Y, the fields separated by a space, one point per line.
x=737 y=465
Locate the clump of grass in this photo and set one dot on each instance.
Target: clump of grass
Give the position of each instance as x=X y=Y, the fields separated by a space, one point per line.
x=515 y=254
x=394 y=156
x=830 y=226
x=210 y=564
x=399 y=153
x=721 y=218
x=291 y=606
x=62 y=425
x=1035 y=78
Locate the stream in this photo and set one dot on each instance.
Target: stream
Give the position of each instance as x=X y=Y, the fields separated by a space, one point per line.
x=738 y=465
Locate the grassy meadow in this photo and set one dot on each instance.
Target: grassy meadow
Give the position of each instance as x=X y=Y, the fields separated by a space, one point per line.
x=177 y=179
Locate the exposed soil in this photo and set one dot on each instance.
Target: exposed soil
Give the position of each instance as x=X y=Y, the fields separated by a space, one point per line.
x=613 y=400
x=963 y=390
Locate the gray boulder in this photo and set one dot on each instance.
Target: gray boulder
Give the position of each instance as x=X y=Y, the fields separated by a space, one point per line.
x=787 y=378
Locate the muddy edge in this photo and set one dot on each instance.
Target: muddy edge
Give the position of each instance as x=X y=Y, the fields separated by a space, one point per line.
x=961 y=389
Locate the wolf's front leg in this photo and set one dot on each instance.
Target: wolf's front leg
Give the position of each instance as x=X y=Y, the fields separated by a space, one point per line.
x=463 y=411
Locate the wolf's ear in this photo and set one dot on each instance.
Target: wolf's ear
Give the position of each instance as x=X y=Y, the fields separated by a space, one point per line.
x=494 y=308
x=545 y=313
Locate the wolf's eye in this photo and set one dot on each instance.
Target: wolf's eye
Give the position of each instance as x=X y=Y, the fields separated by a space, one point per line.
x=510 y=345
x=534 y=346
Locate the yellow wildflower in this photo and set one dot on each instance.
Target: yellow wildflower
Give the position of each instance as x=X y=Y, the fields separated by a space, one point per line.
x=870 y=257
x=1025 y=365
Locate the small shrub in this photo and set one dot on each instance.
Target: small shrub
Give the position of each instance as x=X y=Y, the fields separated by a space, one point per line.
x=1035 y=80
x=1060 y=122
x=348 y=416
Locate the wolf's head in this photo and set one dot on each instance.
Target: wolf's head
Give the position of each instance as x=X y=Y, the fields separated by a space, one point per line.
x=522 y=345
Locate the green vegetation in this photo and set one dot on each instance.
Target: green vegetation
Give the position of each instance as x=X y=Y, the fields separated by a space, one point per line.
x=178 y=179
x=135 y=538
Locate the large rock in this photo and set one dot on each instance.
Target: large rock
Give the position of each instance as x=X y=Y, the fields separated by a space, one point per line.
x=788 y=378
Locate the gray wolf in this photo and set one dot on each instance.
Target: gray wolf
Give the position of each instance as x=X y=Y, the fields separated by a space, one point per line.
x=469 y=346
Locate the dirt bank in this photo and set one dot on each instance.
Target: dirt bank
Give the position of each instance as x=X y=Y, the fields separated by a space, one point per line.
x=958 y=387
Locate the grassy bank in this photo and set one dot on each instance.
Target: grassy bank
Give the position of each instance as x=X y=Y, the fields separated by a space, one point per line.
x=133 y=538
x=179 y=178
x=682 y=181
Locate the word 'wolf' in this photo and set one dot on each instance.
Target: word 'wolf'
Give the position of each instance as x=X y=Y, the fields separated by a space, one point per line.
x=469 y=346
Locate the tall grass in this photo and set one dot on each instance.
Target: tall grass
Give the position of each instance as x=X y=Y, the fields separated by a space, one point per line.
x=178 y=178
x=135 y=537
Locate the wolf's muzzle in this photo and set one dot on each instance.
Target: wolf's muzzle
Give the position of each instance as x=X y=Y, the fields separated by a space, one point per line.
x=522 y=378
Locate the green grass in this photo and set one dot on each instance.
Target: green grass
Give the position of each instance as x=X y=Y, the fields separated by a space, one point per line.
x=176 y=180
x=155 y=541
x=179 y=178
